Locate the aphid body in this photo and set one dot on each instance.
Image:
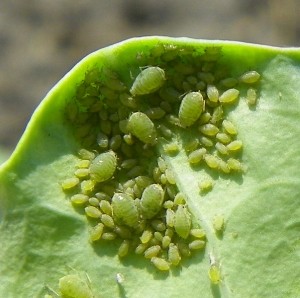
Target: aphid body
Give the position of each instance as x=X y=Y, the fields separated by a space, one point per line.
x=190 y=108
x=148 y=81
x=182 y=221
x=229 y=96
x=74 y=286
x=140 y=125
x=173 y=254
x=103 y=166
x=250 y=77
x=160 y=264
x=151 y=201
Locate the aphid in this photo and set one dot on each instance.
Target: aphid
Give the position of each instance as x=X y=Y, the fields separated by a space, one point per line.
x=171 y=148
x=109 y=236
x=94 y=201
x=179 y=199
x=209 y=129
x=212 y=161
x=198 y=233
x=103 y=166
x=212 y=93
x=206 y=142
x=148 y=81
x=102 y=140
x=184 y=249
x=207 y=77
x=107 y=221
x=190 y=108
x=160 y=264
x=223 y=166
x=182 y=221
x=129 y=163
x=87 y=186
x=125 y=210
x=92 y=211
x=123 y=232
x=161 y=164
x=229 y=82
x=165 y=131
x=218 y=223
x=85 y=154
x=102 y=196
x=165 y=242
x=140 y=249
x=169 y=232
x=140 y=125
x=170 y=176
x=74 y=286
x=123 y=249
x=170 y=217
x=229 y=127
x=250 y=77
x=168 y=204
x=196 y=244
x=206 y=185
x=155 y=113
x=143 y=181
x=83 y=164
x=69 y=183
x=192 y=145
x=173 y=254
x=135 y=171
x=158 y=235
x=235 y=145
x=151 y=201
x=105 y=207
x=96 y=232
x=163 y=179
x=82 y=173
x=214 y=273
x=217 y=115
x=158 y=225
x=146 y=236
x=221 y=148
x=234 y=164
x=79 y=199
x=229 y=96
x=128 y=138
x=115 y=142
x=152 y=251
x=251 y=97
x=223 y=137
x=204 y=118
x=196 y=156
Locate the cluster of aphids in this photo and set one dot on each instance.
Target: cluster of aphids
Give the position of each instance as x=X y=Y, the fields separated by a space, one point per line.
x=124 y=187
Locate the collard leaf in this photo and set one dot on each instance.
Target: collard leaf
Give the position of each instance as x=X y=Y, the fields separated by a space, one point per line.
x=250 y=216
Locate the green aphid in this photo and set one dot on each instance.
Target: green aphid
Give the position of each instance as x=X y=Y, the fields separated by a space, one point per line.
x=105 y=207
x=108 y=221
x=94 y=202
x=206 y=185
x=82 y=173
x=173 y=254
x=229 y=96
x=109 y=236
x=180 y=199
x=251 y=97
x=221 y=148
x=152 y=200
x=182 y=222
x=141 y=126
x=165 y=242
x=171 y=148
x=152 y=251
x=148 y=81
x=212 y=93
x=124 y=210
x=191 y=107
x=79 y=199
x=223 y=138
x=123 y=248
x=74 y=286
x=69 y=183
x=96 y=232
x=102 y=140
x=160 y=264
x=196 y=244
x=235 y=145
x=87 y=186
x=155 y=113
x=146 y=236
x=85 y=154
x=103 y=167
x=196 y=156
x=218 y=223
x=250 y=77
x=92 y=212
x=198 y=233
x=229 y=127
x=211 y=161
x=158 y=225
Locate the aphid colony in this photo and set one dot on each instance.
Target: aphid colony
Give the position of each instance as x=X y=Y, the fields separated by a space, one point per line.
x=125 y=187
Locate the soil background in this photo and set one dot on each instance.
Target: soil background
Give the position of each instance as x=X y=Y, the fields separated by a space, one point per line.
x=41 y=40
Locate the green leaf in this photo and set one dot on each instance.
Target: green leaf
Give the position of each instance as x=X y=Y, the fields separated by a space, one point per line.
x=43 y=237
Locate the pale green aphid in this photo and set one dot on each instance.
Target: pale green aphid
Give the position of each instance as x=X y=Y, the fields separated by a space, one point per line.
x=206 y=185
x=155 y=113
x=182 y=222
x=214 y=273
x=128 y=139
x=102 y=196
x=171 y=148
x=212 y=93
x=198 y=233
x=196 y=244
x=115 y=142
x=168 y=204
x=161 y=164
x=94 y=201
x=204 y=118
x=250 y=77
x=152 y=251
x=123 y=249
x=92 y=211
x=129 y=163
x=160 y=264
x=170 y=176
x=96 y=232
x=141 y=126
x=102 y=140
x=229 y=82
x=212 y=161
x=152 y=200
x=158 y=225
x=206 y=142
x=223 y=166
x=221 y=148
x=73 y=286
x=165 y=131
x=218 y=223
x=190 y=108
x=251 y=97
x=85 y=154
x=107 y=221
x=69 y=183
x=103 y=166
x=82 y=173
x=146 y=236
x=140 y=249
x=125 y=210
x=79 y=199
x=105 y=207
x=196 y=156
x=83 y=164
x=173 y=254
x=143 y=181
x=169 y=232
x=234 y=164
x=217 y=115
x=170 y=217
x=192 y=145
x=87 y=186
x=229 y=127
x=163 y=179
x=209 y=129
x=158 y=235
x=109 y=236
x=123 y=232
x=148 y=81
x=223 y=138
x=166 y=241
x=235 y=145
x=180 y=199
x=184 y=249
x=229 y=96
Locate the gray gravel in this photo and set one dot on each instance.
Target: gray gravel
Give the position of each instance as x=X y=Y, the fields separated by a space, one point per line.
x=40 y=40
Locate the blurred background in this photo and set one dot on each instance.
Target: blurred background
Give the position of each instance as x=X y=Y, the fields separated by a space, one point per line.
x=40 y=40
